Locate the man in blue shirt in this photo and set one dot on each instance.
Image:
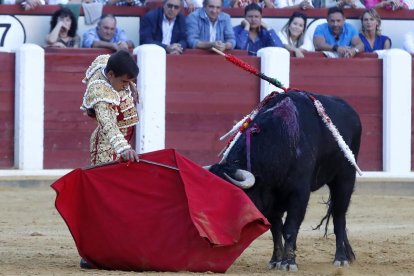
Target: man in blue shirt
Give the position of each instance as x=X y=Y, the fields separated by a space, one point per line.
x=106 y=35
x=210 y=27
x=253 y=34
x=337 y=35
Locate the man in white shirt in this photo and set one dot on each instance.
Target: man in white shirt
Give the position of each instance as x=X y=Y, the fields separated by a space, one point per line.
x=300 y=4
x=408 y=44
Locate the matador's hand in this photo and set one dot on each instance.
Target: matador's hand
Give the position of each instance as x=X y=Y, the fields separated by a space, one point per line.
x=134 y=91
x=129 y=155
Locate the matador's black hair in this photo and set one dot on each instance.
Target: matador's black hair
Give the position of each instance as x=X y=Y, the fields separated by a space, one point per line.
x=122 y=63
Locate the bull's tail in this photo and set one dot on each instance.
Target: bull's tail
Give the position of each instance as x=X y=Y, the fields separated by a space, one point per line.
x=349 y=252
x=326 y=217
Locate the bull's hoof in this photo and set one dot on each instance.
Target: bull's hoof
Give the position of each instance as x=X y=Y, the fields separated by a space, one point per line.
x=289 y=265
x=274 y=264
x=338 y=263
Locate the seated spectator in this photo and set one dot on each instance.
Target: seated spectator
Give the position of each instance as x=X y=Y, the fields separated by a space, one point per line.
x=408 y=43
x=106 y=35
x=244 y=3
x=117 y=2
x=409 y=3
x=252 y=34
x=371 y=32
x=165 y=26
x=61 y=2
x=293 y=36
x=124 y=2
x=63 y=28
x=353 y=4
x=191 y=5
x=27 y=5
x=300 y=4
x=386 y=4
x=210 y=27
x=337 y=35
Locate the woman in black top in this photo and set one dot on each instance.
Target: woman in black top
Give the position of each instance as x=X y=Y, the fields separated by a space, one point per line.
x=63 y=27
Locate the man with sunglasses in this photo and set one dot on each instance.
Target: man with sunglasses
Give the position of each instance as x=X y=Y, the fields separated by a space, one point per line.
x=165 y=26
x=210 y=27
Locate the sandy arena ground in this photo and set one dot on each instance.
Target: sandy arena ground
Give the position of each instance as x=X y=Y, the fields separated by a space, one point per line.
x=35 y=241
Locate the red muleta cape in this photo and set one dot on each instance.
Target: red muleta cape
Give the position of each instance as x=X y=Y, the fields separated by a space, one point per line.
x=145 y=217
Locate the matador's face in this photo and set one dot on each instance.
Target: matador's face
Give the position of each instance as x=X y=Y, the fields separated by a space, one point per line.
x=119 y=83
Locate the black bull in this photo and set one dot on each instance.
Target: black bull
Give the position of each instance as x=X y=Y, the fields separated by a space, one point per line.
x=292 y=154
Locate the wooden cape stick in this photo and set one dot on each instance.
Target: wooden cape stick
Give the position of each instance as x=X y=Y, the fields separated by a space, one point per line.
x=140 y=160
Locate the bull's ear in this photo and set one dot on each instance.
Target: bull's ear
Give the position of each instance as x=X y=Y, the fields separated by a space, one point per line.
x=243 y=179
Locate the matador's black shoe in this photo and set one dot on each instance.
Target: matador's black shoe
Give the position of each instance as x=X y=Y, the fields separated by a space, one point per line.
x=85 y=265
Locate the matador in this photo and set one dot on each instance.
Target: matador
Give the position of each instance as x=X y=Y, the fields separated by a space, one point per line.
x=109 y=97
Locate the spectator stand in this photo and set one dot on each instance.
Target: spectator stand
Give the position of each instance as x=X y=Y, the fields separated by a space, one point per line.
x=36 y=23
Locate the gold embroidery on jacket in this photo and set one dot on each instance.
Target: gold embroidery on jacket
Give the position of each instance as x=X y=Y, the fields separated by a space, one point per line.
x=115 y=114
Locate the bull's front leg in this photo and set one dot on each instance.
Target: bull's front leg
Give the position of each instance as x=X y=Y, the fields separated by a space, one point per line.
x=289 y=255
x=276 y=229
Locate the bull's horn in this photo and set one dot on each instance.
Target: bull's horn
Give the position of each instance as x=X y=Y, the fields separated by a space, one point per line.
x=207 y=167
x=244 y=179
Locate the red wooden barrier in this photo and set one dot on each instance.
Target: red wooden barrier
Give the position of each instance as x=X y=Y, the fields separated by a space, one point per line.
x=359 y=82
x=206 y=95
x=67 y=128
x=215 y=94
x=7 y=61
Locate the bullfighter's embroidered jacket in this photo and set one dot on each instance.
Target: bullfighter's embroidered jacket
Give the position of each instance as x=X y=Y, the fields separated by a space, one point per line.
x=115 y=114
